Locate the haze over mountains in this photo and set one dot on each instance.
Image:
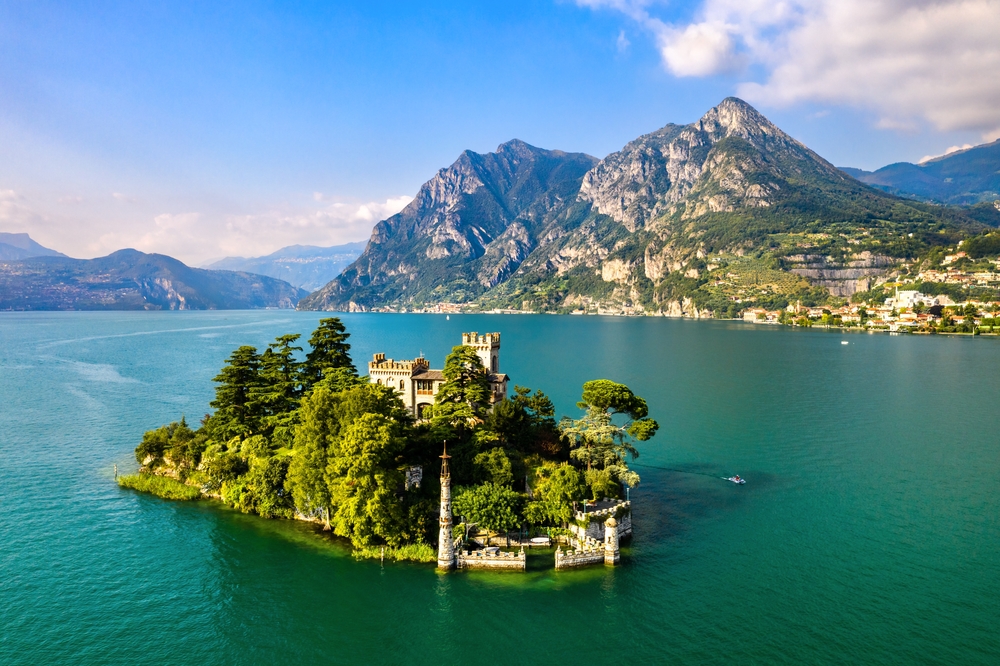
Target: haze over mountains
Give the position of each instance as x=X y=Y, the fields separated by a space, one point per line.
x=964 y=177
x=21 y=246
x=133 y=280
x=527 y=228
x=306 y=266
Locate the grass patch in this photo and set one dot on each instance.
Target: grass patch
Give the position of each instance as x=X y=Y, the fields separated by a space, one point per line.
x=414 y=552
x=161 y=486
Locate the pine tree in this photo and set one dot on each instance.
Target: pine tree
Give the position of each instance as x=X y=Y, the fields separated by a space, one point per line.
x=236 y=414
x=464 y=397
x=329 y=350
x=277 y=396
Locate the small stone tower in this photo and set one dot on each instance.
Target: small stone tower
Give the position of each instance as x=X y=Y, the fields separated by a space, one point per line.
x=487 y=348
x=611 y=541
x=446 y=545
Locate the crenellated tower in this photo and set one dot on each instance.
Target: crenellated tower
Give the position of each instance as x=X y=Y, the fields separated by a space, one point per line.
x=487 y=348
x=446 y=544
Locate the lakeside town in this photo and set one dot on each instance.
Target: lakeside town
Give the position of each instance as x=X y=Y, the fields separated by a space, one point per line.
x=907 y=309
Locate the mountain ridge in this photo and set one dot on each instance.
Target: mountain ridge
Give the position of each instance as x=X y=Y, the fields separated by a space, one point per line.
x=645 y=229
x=967 y=176
x=133 y=280
x=305 y=266
x=21 y=246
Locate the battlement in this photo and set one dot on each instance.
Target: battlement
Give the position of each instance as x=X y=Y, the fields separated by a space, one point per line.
x=380 y=362
x=488 y=340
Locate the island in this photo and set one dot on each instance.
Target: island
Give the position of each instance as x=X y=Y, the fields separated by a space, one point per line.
x=407 y=462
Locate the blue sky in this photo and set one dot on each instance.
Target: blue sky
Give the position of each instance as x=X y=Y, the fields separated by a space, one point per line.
x=206 y=129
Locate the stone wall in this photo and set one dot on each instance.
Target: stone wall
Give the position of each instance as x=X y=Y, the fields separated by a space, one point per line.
x=479 y=559
x=622 y=511
x=579 y=557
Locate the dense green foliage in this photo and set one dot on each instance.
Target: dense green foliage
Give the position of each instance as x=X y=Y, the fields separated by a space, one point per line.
x=312 y=439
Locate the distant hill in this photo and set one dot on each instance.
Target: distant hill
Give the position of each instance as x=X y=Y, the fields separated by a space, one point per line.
x=964 y=177
x=715 y=215
x=306 y=266
x=20 y=246
x=133 y=280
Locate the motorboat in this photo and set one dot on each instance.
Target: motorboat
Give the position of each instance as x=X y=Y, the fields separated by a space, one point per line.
x=736 y=479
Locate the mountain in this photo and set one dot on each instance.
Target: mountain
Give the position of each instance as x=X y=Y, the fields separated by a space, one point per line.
x=132 y=280
x=20 y=246
x=306 y=266
x=466 y=231
x=684 y=220
x=964 y=177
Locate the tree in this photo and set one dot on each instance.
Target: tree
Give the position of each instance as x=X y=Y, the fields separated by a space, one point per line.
x=262 y=489
x=236 y=412
x=329 y=351
x=464 y=396
x=175 y=445
x=597 y=441
x=362 y=475
x=493 y=507
x=494 y=466
x=324 y=416
x=555 y=489
x=524 y=423
x=277 y=395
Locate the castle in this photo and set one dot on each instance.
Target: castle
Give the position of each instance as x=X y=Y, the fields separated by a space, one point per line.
x=417 y=384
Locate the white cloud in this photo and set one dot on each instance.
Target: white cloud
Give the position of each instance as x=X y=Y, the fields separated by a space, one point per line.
x=16 y=215
x=622 y=43
x=699 y=49
x=910 y=61
x=953 y=149
x=96 y=229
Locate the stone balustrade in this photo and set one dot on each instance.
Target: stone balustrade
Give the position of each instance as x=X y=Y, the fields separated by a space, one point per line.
x=579 y=557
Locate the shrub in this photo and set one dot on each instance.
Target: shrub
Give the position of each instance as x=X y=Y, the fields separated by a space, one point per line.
x=414 y=552
x=161 y=486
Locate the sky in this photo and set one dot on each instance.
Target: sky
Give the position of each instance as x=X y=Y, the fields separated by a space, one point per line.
x=203 y=130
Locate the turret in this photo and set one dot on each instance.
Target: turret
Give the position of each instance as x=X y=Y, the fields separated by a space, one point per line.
x=446 y=546
x=611 y=541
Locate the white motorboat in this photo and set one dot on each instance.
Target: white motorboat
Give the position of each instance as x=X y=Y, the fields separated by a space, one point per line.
x=736 y=479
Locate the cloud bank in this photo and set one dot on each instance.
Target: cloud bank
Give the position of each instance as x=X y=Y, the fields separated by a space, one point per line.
x=83 y=226
x=909 y=61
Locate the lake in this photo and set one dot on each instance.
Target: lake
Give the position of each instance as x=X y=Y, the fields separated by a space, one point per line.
x=868 y=530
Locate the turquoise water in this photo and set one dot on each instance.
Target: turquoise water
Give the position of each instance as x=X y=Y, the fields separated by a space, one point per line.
x=867 y=532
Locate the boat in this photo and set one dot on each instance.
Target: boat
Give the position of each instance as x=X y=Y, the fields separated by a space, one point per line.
x=736 y=479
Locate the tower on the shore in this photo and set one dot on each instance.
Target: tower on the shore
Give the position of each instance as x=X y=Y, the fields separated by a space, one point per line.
x=611 y=541
x=446 y=545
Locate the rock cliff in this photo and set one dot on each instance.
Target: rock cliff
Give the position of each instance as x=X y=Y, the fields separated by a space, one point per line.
x=647 y=229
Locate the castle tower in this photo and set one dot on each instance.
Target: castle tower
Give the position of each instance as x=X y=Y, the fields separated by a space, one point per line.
x=487 y=348
x=446 y=545
x=611 y=541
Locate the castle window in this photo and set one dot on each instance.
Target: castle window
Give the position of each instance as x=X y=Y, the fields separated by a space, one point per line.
x=401 y=384
x=378 y=381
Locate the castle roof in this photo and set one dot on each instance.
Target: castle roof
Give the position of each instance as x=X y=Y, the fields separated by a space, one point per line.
x=436 y=375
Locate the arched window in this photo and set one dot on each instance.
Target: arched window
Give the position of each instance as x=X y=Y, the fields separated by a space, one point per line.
x=402 y=384
x=379 y=381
